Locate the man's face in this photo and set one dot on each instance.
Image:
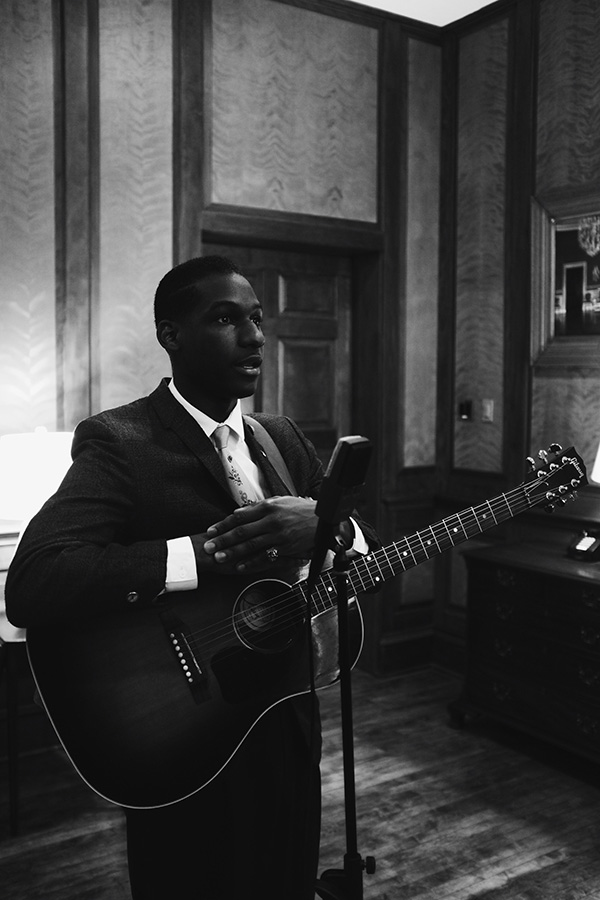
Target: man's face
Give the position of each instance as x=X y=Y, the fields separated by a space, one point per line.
x=220 y=341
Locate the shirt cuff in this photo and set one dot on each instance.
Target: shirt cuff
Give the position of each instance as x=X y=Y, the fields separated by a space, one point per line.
x=181 y=565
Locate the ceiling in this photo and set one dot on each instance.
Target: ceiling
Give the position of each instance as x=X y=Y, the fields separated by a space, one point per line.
x=435 y=12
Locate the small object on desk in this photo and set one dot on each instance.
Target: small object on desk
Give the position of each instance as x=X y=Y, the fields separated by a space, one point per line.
x=586 y=547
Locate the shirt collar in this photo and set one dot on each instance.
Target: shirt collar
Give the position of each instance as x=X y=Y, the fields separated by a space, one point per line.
x=234 y=420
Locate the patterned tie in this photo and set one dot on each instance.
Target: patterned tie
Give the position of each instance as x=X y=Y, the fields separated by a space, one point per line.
x=239 y=485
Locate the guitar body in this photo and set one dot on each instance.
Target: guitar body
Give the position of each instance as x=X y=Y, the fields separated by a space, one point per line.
x=151 y=704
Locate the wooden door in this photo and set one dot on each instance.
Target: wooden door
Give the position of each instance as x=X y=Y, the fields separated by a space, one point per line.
x=307 y=369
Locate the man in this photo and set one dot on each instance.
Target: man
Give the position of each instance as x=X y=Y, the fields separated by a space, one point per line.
x=151 y=506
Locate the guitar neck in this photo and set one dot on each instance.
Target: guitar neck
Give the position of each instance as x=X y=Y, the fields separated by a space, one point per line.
x=372 y=569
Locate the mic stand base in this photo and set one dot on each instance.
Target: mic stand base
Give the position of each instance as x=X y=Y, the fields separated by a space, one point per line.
x=346 y=883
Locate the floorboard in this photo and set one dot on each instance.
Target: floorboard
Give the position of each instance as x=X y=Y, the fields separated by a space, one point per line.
x=449 y=814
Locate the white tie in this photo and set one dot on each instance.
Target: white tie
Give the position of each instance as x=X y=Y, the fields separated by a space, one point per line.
x=239 y=485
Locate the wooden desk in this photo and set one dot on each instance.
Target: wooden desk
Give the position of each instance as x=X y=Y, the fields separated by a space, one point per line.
x=533 y=644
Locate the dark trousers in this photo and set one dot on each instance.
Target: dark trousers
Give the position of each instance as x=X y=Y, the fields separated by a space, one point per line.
x=251 y=834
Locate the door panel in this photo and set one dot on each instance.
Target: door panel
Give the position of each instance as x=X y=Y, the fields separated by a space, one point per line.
x=307 y=305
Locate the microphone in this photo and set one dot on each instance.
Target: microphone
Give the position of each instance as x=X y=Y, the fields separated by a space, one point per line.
x=345 y=475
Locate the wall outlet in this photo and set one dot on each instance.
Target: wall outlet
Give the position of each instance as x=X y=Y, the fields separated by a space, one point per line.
x=487 y=410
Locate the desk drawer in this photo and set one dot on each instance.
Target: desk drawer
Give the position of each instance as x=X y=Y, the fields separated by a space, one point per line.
x=539 y=710
x=537 y=659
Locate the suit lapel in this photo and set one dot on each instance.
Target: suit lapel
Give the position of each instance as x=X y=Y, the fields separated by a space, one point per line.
x=174 y=417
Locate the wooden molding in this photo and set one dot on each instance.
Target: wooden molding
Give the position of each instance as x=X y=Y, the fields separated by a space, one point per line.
x=191 y=113
x=579 y=352
x=269 y=228
x=77 y=185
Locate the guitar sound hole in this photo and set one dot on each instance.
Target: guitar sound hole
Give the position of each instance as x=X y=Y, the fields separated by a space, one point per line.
x=268 y=615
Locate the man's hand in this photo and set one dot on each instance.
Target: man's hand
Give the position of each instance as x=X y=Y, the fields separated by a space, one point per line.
x=284 y=524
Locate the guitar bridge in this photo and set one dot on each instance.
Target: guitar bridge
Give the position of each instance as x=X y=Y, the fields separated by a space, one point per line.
x=182 y=648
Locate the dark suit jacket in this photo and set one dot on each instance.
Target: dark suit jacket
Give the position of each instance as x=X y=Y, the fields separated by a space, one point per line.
x=142 y=473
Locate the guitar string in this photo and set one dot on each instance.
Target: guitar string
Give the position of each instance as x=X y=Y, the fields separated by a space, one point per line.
x=293 y=616
x=278 y=607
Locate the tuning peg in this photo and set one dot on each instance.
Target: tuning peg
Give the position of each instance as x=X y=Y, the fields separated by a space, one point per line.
x=543 y=455
x=531 y=463
x=554 y=448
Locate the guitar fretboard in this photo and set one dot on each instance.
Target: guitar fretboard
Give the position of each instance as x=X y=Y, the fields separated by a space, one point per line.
x=372 y=569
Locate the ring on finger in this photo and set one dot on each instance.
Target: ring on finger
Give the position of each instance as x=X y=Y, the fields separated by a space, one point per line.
x=272 y=553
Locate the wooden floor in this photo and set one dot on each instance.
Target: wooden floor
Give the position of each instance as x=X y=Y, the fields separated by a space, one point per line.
x=449 y=814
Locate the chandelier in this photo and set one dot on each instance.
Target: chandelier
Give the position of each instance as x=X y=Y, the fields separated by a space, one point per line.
x=588 y=235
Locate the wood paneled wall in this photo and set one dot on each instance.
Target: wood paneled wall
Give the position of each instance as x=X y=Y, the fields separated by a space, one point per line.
x=526 y=114
x=408 y=601
x=474 y=299
x=135 y=195
x=86 y=194
x=88 y=138
x=419 y=326
x=480 y=246
x=294 y=110
x=28 y=382
x=568 y=113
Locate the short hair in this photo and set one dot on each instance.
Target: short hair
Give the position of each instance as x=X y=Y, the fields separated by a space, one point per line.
x=177 y=290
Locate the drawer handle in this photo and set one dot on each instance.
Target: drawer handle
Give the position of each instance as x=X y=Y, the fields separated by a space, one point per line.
x=506 y=578
x=503 y=648
x=589 y=636
x=589 y=676
x=587 y=725
x=504 y=609
x=501 y=691
x=591 y=599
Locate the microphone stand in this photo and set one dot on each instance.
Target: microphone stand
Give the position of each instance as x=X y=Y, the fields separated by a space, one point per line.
x=346 y=883
x=345 y=474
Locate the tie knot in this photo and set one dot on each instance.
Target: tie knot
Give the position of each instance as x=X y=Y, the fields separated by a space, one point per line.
x=220 y=436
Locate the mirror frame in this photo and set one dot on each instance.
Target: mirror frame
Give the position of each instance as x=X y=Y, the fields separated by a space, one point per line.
x=547 y=349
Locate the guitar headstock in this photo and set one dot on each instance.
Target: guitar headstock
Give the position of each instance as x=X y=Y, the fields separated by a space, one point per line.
x=558 y=475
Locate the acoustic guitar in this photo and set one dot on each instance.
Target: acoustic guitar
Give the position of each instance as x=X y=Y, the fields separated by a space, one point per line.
x=151 y=704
